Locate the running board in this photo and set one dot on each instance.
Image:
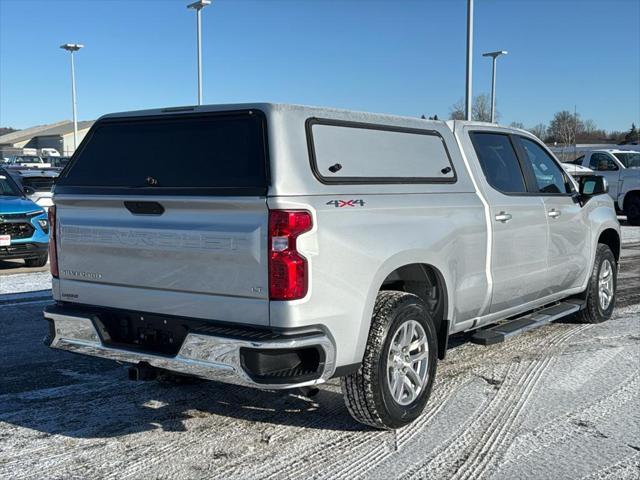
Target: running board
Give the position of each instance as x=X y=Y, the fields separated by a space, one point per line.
x=516 y=326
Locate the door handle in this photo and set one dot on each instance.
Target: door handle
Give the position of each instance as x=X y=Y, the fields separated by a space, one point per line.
x=554 y=213
x=503 y=217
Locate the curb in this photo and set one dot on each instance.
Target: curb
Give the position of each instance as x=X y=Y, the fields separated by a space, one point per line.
x=14 y=298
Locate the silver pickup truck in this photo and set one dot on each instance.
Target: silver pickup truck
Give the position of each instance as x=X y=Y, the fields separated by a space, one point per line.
x=280 y=246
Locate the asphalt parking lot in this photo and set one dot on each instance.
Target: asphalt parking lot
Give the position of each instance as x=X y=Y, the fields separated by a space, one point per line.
x=562 y=401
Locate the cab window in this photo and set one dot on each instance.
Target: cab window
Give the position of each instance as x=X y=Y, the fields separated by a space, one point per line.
x=602 y=162
x=629 y=159
x=550 y=178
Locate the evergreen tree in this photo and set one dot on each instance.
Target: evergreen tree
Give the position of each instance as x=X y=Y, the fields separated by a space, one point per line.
x=632 y=134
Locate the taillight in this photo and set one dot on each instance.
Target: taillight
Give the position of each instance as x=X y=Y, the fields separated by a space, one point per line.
x=288 y=270
x=53 y=249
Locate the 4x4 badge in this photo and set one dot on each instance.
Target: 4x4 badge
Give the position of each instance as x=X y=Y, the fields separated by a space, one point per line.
x=346 y=203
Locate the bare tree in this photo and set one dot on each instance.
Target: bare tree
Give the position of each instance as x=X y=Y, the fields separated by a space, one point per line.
x=517 y=125
x=456 y=112
x=540 y=131
x=589 y=127
x=564 y=126
x=480 y=110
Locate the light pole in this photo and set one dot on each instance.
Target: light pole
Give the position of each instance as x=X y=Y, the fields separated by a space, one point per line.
x=73 y=47
x=197 y=6
x=468 y=93
x=494 y=56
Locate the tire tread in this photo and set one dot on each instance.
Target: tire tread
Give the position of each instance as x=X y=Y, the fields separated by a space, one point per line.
x=358 y=387
x=591 y=313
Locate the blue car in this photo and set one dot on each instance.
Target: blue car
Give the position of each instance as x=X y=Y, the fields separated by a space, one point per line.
x=24 y=228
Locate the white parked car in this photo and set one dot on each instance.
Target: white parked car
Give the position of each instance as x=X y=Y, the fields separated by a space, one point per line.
x=576 y=170
x=621 y=168
x=26 y=161
x=49 y=152
x=37 y=184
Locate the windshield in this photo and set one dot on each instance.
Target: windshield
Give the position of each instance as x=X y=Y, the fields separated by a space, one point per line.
x=629 y=159
x=8 y=188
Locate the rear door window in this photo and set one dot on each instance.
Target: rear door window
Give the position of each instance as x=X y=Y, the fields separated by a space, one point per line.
x=499 y=161
x=180 y=154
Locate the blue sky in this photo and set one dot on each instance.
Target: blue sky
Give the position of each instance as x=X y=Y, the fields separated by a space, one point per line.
x=402 y=57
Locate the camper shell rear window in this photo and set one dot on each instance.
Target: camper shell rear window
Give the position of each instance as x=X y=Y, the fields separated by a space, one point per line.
x=180 y=154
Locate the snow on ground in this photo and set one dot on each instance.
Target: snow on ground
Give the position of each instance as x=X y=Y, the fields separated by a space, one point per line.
x=25 y=282
x=559 y=402
x=630 y=235
x=562 y=401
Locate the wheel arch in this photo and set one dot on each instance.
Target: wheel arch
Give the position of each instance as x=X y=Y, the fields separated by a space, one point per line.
x=611 y=238
x=409 y=274
x=627 y=196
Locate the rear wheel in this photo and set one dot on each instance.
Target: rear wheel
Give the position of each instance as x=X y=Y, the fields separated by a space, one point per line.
x=632 y=210
x=393 y=384
x=37 y=262
x=601 y=292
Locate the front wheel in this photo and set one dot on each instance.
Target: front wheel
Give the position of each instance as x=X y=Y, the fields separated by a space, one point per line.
x=393 y=384
x=37 y=262
x=601 y=292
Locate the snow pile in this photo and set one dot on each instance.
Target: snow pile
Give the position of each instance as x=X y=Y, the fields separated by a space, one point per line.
x=25 y=282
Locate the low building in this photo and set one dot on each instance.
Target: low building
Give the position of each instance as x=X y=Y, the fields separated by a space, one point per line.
x=56 y=135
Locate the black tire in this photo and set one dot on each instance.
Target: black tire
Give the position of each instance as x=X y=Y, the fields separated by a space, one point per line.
x=38 y=262
x=367 y=393
x=632 y=210
x=593 y=311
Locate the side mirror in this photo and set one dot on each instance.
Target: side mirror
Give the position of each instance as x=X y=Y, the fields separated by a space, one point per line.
x=29 y=190
x=591 y=185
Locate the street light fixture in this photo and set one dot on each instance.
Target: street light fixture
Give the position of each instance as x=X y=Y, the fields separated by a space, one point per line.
x=468 y=90
x=73 y=47
x=494 y=56
x=197 y=6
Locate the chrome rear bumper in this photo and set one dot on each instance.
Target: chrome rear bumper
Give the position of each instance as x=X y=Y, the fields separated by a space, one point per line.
x=205 y=356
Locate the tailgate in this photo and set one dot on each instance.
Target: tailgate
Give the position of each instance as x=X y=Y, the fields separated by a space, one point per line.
x=202 y=258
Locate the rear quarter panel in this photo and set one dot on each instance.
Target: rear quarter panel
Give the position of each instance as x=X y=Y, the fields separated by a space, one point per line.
x=352 y=249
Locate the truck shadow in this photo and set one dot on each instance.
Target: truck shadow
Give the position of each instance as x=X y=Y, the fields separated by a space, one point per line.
x=11 y=265
x=60 y=393
x=18 y=266
x=96 y=400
